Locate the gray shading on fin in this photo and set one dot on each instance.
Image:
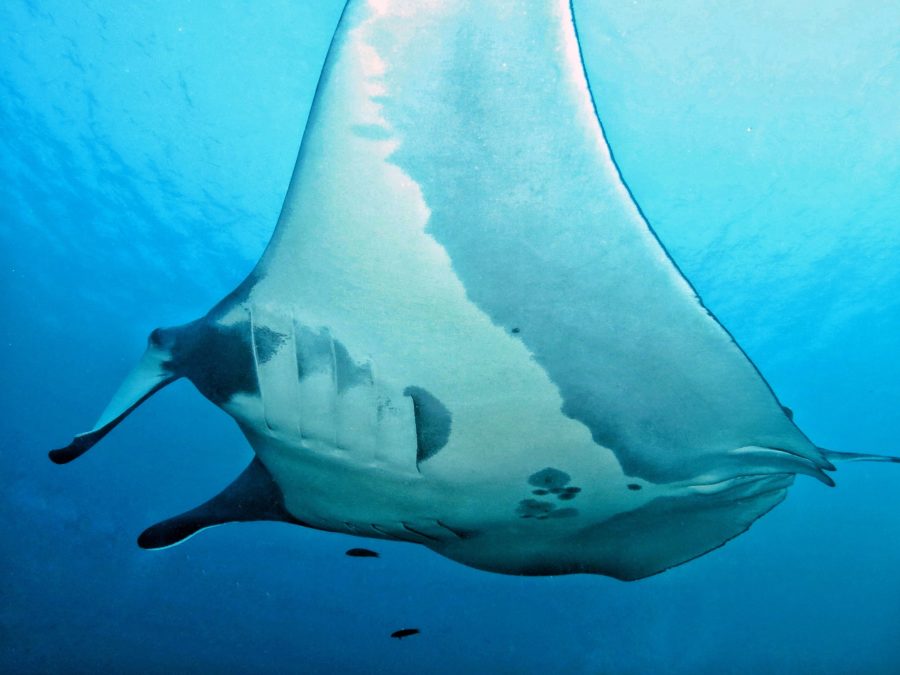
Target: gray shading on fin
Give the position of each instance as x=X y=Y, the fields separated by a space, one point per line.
x=670 y=531
x=253 y=496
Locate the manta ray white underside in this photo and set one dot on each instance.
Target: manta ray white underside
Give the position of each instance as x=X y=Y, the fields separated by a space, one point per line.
x=464 y=334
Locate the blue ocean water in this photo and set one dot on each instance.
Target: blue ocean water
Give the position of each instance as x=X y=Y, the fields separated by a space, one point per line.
x=145 y=155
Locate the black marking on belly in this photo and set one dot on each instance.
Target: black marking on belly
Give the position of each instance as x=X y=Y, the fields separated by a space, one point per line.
x=634 y=486
x=217 y=358
x=549 y=479
x=788 y=412
x=348 y=373
x=313 y=351
x=267 y=342
x=534 y=508
x=318 y=352
x=552 y=481
x=433 y=422
x=542 y=509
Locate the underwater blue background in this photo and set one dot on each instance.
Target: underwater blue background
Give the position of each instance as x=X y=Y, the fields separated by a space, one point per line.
x=144 y=152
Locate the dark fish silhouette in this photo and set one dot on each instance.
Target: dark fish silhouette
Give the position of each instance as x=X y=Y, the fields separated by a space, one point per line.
x=361 y=553
x=404 y=632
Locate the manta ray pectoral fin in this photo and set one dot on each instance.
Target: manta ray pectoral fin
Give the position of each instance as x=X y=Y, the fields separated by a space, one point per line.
x=152 y=373
x=252 y=496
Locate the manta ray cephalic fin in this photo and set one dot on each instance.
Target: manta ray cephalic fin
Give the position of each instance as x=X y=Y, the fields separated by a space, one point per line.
x=252 y=496
x=152 y=373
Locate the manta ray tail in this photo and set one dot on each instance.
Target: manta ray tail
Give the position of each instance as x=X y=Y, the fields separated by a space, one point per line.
x=253 y=496
x=858 y=457
x=152 y=373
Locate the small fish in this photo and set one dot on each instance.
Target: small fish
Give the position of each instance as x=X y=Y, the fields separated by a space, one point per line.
x=361 y=553
x=404 y=632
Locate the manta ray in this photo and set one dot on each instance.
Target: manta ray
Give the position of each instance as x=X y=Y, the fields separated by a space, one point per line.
x=464 y=333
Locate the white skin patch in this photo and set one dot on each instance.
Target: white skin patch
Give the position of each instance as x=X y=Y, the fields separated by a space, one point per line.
x=361 y=263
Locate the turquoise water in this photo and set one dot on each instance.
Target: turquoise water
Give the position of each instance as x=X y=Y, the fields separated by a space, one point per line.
x=145 y=157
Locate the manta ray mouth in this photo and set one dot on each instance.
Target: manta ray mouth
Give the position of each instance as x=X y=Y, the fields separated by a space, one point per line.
x=752 y=461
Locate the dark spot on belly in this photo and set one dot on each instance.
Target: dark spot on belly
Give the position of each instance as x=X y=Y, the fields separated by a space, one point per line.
x=540 y=492
x=216 y=358
x=433 y=422
x=634 y=486
x=541 y=510
x=313 y=351
x=348 y=373
x=568 y=493
x=318 y=352
x=549 y=479
x=534 y=508
x=515 y=331
x=267 y=342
